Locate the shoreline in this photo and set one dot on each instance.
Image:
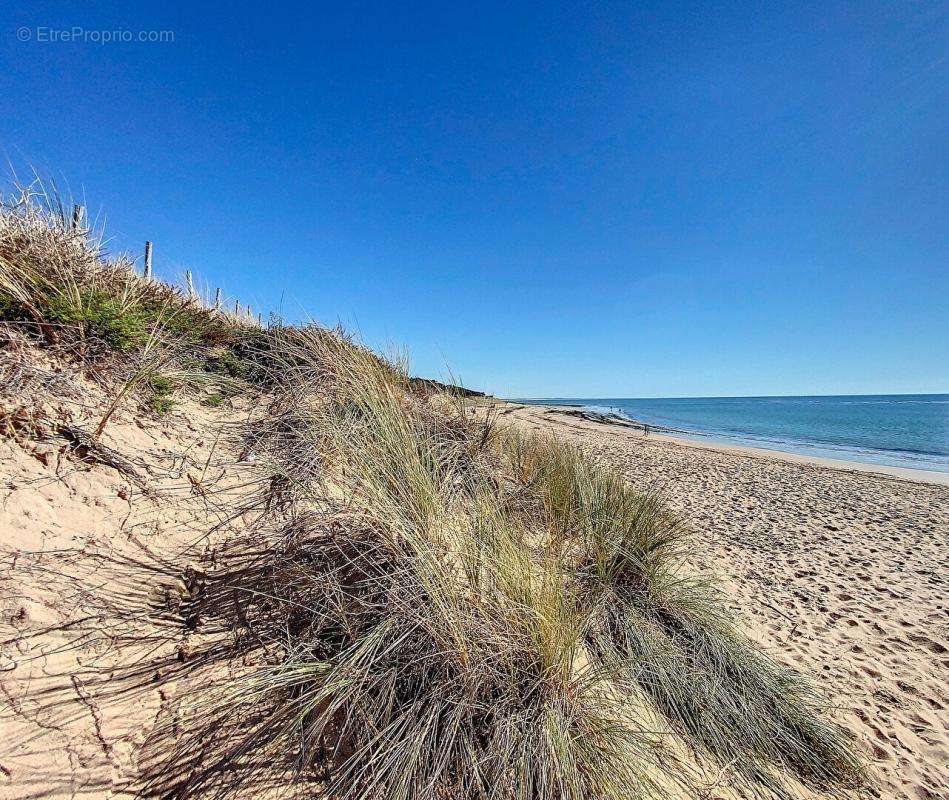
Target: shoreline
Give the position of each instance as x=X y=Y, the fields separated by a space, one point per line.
x=835 y=568
x=839 y=464
x=684 y=439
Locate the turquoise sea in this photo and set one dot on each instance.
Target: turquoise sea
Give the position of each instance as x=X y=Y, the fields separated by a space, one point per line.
x=895 y=430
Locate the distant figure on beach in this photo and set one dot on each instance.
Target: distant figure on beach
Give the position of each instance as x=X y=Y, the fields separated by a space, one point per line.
x=646 y=429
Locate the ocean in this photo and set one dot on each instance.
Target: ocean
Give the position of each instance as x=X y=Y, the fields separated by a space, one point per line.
x=895 y=430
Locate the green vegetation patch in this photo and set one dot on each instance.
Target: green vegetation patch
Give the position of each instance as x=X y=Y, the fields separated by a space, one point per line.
x=99 y=314
x=161 y=390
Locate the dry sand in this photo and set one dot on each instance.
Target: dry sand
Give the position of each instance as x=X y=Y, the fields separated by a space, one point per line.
x=839 y=572
x=96 y=565
x=842 y=574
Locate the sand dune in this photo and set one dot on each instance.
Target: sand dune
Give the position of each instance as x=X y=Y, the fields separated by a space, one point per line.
x=840 y=573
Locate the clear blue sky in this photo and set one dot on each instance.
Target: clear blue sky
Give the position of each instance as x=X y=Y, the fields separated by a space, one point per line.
x=553 y=199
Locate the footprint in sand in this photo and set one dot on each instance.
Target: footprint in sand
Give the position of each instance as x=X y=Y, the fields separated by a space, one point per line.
x=933 y=646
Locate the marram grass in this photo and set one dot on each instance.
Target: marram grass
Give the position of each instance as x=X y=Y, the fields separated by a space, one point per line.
x=429 y=606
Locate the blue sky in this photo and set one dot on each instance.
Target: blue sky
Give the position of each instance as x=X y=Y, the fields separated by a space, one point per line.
x=551 y=199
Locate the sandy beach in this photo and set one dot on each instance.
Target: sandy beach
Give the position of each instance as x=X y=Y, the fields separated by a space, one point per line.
x=501 y=402
x=838 y=572
x=836 y=568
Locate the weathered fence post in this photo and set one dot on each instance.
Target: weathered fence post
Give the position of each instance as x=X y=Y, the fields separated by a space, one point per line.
x=217 y=299
x=190 y=284
x=148 y=261
x=77 y=214
x=237 y=306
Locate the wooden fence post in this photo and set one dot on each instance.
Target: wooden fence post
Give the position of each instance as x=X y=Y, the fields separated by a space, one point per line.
x=190 y=284
x=217 y=299
x=77 y=215
x=237 y=306
x=148 y=261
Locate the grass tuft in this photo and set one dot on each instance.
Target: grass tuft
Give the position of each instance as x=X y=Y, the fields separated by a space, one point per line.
x=161 y=389
x=430 y=606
